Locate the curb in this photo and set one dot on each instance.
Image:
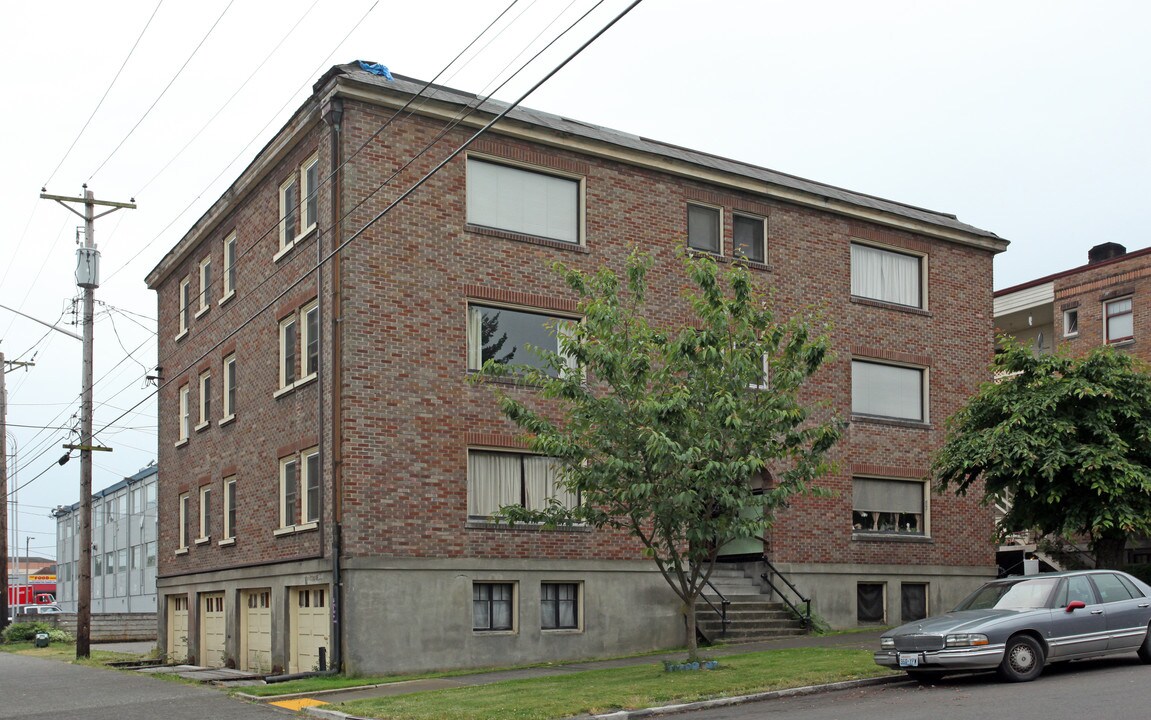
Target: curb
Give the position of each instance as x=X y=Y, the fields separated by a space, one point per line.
x=685 y=707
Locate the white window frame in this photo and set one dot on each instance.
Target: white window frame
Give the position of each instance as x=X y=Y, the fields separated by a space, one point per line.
x=289 y=361
x=228 y=520
x=874 y=521
x=228 y=388
x=718 y=211
x=205 y=514
x=289 y=216
x=486 y=204
x=184 y=419
x=185 y=301
x=308 y=336
x=865 y=391
x=289 y=506
x=309 y=195
x=310 y=481
x=516 y=488
x=205 y=399
x=205 y=286
x=228 y=276
x=1071 y=322
x=736 y=216
x=1108 y=316
x=887 y=294
x=182 y=523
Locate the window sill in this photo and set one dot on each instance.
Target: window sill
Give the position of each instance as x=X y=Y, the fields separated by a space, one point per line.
x=524 y=238
x=479 y=524
x=182 y=551
x=891 y=538
x=490 y=633
x=227 y=542
x=202 y=540
x=285 y=250
x=202 y=311
x=891 y=422
x=181 y=335
x=292 y=529
x=226 y=420
x=181 y=443
x=857 y=300
x=227 y=296
x=561 y=631
x=289 y=389
x=203 y=426
x=1121 y=343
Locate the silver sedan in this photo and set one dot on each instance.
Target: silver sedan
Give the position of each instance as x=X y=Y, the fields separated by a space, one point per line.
x=1018 y=625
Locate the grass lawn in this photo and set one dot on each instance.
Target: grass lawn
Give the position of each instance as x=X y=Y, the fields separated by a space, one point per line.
x=601 y=691
x=64 y=651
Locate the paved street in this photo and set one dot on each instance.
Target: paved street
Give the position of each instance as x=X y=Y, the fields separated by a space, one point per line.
x=1114 y=688
x=32 y=689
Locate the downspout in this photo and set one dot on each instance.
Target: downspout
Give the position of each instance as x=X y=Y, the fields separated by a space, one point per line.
x=333 y=113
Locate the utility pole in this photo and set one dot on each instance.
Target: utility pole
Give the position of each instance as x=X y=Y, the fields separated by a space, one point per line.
x=88 y=278
x=4 y=485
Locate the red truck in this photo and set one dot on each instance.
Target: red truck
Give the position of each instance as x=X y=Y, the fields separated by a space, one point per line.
x=40 y=590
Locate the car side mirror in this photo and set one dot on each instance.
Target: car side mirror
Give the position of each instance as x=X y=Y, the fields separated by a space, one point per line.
x=1075 y=605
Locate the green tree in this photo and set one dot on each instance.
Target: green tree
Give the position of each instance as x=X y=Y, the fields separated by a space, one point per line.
x=662 y=430
x=1067 y=440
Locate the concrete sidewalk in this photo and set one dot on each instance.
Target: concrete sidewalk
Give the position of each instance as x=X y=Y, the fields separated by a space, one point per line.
x=863 y=640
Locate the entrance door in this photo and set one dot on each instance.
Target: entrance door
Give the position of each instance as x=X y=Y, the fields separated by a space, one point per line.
x=212 y=629
x=178 y=628
x=310 y=625
x=256 y=635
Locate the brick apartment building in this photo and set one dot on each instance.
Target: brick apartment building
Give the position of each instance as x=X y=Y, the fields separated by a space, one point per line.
x=328 y=471
x=1077 y=310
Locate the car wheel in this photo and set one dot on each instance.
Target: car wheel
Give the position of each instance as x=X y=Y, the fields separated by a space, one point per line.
x=1022 y=659
x=1145 y=648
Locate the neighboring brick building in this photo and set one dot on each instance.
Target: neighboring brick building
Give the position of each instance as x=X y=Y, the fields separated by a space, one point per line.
x=328 y=466
x=1100 y=303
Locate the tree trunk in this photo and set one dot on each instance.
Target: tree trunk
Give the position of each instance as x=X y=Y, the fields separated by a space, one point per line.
x=692 y=639
x=1108 y=551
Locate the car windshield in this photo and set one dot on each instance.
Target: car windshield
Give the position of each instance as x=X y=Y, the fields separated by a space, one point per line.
x=1021 y=595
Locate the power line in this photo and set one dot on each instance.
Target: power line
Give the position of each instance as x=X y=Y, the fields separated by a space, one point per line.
x=105 y=95
x=164 y=91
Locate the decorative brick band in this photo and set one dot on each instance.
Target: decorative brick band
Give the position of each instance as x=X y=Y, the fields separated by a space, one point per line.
x=861 y=352
x=892 y=471
x=1102 y=283
x=498 y=149
x=494 y=440
x=512 y=297
x=888 y=237
x=294 y=302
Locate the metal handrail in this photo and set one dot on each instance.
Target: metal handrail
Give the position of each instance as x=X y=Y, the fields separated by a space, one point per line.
x=721 y=610
x=805 y=614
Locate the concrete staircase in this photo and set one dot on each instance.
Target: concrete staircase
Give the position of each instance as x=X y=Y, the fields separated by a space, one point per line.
x=751 y=614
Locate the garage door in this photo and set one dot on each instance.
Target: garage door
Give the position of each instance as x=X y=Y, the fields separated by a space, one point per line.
x=212 y=629
x=310 y=626
x=178 y=628
x=256 y=635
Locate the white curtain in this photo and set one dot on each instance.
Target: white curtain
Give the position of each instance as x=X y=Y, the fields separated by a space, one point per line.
x=509 y=198
x=493 y=482
x=886 y=390
x=475 y=337
x=883 y=275
x=542 y=481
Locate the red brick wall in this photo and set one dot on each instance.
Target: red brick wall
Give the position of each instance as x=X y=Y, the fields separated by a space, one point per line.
x=1089 y=289
x=410 y=413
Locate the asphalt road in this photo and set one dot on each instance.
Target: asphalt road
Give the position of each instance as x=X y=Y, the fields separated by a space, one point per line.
x=1116 y=687
x=33 y=689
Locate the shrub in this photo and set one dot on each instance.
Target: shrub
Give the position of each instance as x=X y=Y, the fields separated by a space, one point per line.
x=26 y=632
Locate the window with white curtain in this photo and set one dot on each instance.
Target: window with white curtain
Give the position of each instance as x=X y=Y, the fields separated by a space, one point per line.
x=523 y=201
x=1120 y=320
x=704 y=228
x=889 y=391
x=492 y=606
x=511 y=337
x=886 y=276
x=888 y=506
x=559 y=606
x=499 y=479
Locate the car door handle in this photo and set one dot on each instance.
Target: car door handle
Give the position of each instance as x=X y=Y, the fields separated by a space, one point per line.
x=1096 y=612
x=1144 y=605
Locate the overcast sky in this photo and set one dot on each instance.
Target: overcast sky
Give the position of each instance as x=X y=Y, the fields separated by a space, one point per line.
x=1028 y=119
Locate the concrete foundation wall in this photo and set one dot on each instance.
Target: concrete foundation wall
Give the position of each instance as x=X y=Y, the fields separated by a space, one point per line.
x=106 y=627
x=832 y=588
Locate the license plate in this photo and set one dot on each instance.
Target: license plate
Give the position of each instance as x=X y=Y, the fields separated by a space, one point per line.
x=908 y=660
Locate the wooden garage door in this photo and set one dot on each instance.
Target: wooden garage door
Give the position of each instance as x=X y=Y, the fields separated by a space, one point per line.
x=178 y=628
x=256 y=635
x=310 y=625
x=212 y=629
